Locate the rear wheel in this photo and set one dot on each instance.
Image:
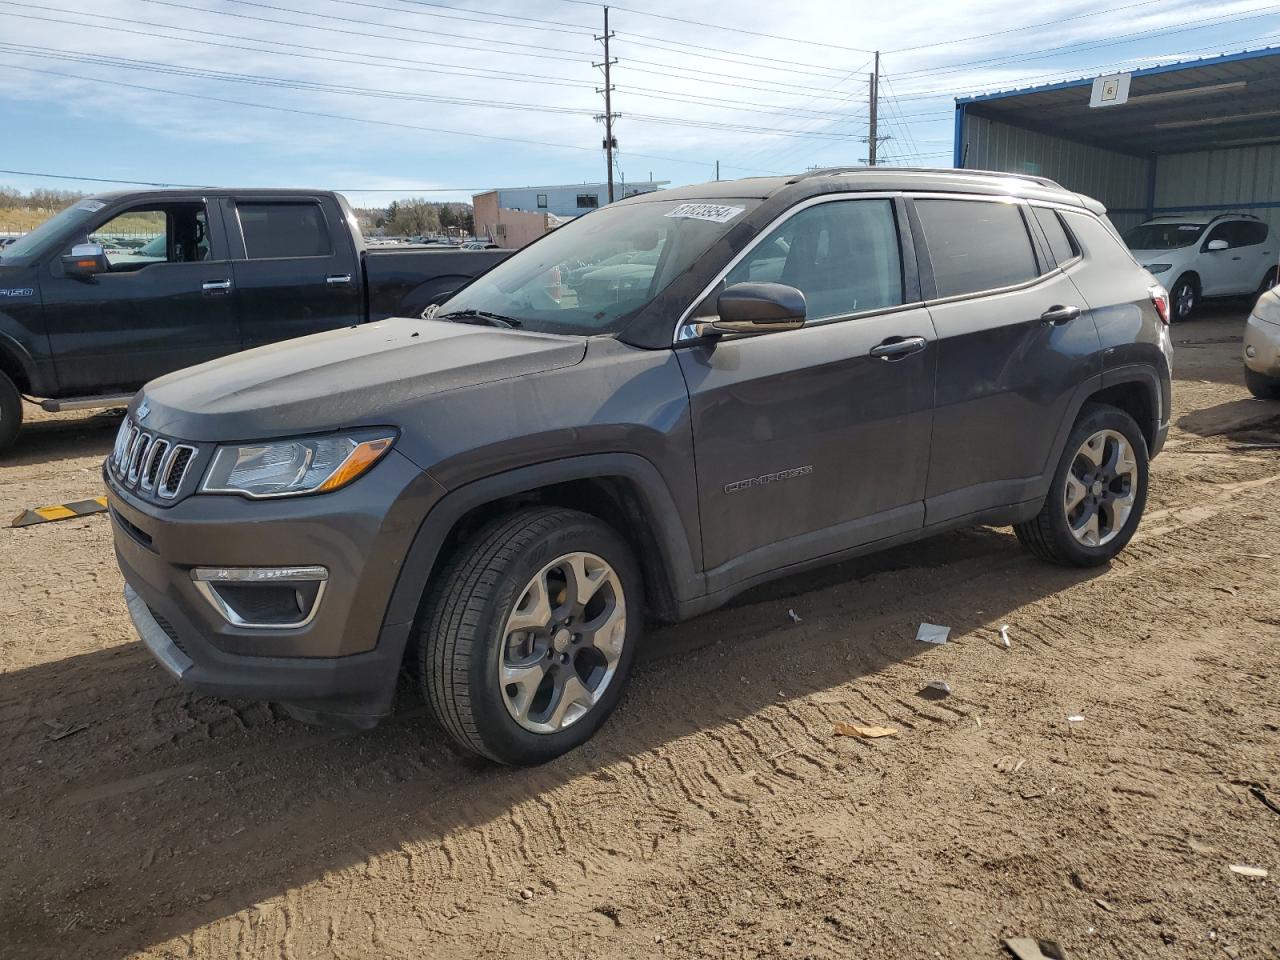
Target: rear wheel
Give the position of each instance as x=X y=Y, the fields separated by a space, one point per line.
x=528 y=635
x=10 y=412
x=1097 y=495
x=1268 y=281
x=1262 y=386
x=1183 y=299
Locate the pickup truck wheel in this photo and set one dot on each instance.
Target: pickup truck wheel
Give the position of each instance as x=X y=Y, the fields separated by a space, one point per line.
x=1262 y=386
x=1097 y=495
x=10 y=412
x=528 y=634
x=1183 y=299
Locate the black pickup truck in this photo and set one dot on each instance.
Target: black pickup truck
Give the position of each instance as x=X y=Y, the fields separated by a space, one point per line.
x=125 y=287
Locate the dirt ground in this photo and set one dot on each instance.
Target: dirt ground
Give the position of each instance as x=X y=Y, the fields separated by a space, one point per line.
x=716 y=815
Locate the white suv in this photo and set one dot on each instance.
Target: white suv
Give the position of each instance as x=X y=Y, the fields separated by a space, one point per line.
x=1229 y=255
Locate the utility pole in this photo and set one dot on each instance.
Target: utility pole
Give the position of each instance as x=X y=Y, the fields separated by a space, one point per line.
x=873 y=140
x=717 y=169
x=610 y=144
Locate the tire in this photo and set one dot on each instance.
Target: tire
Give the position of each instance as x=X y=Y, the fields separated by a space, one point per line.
x=10 y=413
x=1049 y=535
x=1183 y=299
x=467 y=635
x=1268 y=281
x=1262 y=386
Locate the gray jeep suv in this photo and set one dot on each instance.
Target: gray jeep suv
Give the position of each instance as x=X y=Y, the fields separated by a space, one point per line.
x=649 y=410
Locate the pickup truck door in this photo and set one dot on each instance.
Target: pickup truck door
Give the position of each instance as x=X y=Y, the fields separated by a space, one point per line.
x=296 y=268
x=163 y=305
x=815 y=440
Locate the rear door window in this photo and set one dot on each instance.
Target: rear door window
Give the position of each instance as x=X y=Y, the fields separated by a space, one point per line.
x=976 y=245
x=1061 y=247
x=1250 y=233
x=273 y=230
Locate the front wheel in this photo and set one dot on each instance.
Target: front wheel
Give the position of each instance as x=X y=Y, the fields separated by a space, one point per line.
x=1183 y=299
x=528 y=634
x=1262 y=386
x=1097 y=495
x=10 y=412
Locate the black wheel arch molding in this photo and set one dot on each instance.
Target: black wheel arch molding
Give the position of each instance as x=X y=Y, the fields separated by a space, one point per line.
x=674 y=567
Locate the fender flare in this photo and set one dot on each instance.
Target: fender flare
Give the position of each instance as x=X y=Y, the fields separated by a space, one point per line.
x=12 y=350
x=676 y=562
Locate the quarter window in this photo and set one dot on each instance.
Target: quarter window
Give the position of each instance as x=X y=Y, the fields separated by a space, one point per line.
x=842 y=255
x=274 y=230
x=1061 y=247
x=976 y=245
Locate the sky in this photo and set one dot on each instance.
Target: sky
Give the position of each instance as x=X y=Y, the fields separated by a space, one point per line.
x=390 y=98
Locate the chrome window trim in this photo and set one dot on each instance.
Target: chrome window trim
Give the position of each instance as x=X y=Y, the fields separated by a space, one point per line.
x=684 y=330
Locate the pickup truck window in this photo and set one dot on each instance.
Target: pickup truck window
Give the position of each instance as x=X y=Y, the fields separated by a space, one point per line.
x=591 y=275
x=273 y=230
x=167 y=233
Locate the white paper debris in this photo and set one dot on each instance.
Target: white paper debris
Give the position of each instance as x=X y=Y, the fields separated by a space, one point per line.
x=1075 y=718
x=940 y=685
x=1004 y=635
x=1260 y=872
x=795 y=617
x=932 y=633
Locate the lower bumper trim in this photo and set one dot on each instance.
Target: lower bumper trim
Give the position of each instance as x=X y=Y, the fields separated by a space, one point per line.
x=159 y=642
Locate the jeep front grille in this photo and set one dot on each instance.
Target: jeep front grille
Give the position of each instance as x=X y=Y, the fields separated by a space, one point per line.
x=148 y=462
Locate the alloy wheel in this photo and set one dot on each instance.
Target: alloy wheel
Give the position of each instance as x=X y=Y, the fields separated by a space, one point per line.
x=562 y=642
x=1184 y=301
x=1101 y=488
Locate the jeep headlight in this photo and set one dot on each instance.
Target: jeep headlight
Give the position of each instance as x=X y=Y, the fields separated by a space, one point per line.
x=1158 y=268
x=293 y=467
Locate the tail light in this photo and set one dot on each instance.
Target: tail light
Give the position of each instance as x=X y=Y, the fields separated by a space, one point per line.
x=1160 y=300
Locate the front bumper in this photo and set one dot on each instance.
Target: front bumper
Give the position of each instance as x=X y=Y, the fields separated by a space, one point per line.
x=344 y=662
x=1262 y=347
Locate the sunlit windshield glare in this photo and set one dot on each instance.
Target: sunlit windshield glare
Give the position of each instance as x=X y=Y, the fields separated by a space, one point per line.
x=1163 y=236
x=591 y=275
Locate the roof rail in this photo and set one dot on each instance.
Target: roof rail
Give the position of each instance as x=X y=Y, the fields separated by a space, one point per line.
x=831 y=171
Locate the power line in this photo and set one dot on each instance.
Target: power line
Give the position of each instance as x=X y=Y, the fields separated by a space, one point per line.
x=334 y=116
x=129 y=63
x=450 y=44
x=1115 y=40
x=720 y=26
x=1109 y=11
x=388 y=61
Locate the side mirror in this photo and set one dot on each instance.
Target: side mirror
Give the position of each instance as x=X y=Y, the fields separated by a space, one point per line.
x=756 y=308
x=1217 y=245
x=84 y=260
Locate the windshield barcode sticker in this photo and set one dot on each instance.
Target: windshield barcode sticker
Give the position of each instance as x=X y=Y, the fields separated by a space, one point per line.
x=715 y=212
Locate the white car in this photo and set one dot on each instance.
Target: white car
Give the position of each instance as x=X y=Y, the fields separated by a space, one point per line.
x=1230 y=255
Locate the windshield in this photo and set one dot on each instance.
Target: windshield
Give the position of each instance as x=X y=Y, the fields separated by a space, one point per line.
x=590 y=276
x=1163 y=236
x=31 y=244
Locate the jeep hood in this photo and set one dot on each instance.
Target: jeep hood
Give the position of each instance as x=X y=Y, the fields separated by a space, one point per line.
x=361 y=375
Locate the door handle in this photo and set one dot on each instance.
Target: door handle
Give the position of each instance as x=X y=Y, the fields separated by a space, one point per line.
x=898 y=348
x=216 y=287
x=337 y=279
x=1058 y=315
x=1235 y=258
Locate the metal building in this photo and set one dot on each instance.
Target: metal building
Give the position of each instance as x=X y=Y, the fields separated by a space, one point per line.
x=571 y=199
x=1198 y=137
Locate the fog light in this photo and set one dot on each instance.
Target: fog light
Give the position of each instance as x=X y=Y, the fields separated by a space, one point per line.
x=263 y=598
x=1250 y=352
